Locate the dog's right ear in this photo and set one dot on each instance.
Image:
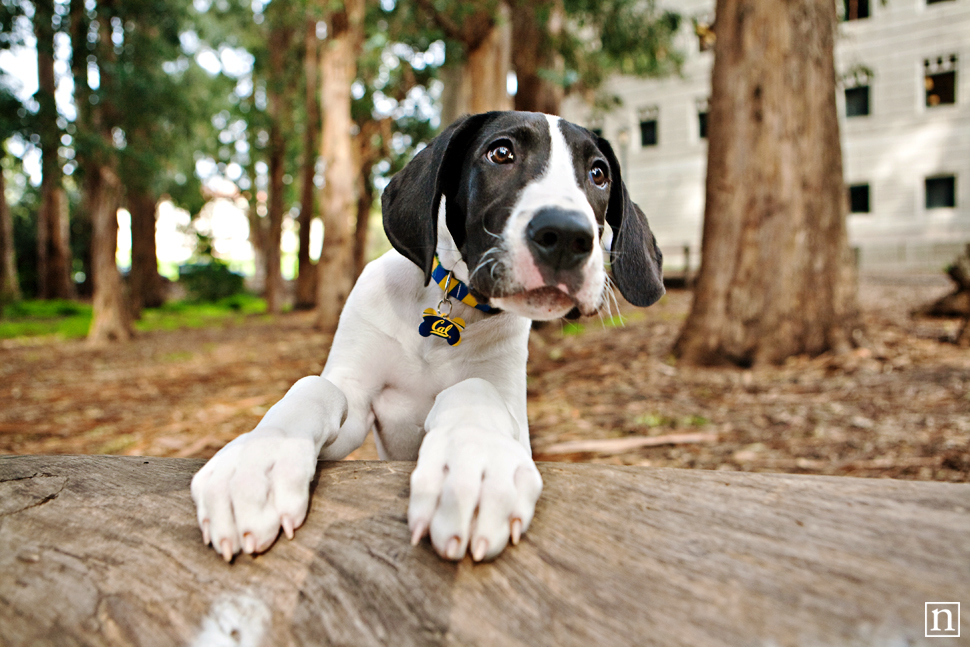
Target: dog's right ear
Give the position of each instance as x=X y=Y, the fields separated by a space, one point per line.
x=412 y=198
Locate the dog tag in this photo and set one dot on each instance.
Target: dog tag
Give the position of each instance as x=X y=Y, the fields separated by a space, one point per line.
x=439 y=325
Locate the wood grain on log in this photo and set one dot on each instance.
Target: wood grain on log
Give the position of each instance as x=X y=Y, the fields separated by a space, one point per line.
x=106 y=551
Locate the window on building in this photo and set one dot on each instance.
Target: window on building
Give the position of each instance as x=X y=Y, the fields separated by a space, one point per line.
x=648 y=132
x=940 y=79
x=648 y=125
x=941 y=191
x=702 y=110
x=857 y=101
x=859 y=198
x=937 y=1
x=856 y=9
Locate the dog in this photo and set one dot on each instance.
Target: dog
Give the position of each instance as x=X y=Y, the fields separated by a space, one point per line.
x=504 y=218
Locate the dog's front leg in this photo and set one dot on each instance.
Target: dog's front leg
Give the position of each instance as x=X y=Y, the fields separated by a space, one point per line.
x=260 y=482
x=475 y=484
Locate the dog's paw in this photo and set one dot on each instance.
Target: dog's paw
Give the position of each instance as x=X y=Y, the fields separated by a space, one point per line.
x=255 y=485
x=473 y=491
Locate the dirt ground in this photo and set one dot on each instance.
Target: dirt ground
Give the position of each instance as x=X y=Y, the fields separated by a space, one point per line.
x=898 y=408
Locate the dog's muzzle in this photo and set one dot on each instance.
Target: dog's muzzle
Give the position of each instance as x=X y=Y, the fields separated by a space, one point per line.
x=560 y=239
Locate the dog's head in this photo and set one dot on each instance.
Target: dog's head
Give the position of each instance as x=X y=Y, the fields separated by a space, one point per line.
x=518 y=203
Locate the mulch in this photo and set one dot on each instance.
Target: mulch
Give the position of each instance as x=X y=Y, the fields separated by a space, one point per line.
x=897 y=407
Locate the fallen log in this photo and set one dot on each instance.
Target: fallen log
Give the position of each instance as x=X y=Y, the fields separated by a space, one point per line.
x=956 y=303
x=105 y=551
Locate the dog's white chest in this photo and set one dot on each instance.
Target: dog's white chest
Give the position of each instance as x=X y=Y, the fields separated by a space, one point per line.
x=425 y=368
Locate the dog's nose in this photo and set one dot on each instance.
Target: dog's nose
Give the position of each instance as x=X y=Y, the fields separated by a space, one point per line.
x=560 y=239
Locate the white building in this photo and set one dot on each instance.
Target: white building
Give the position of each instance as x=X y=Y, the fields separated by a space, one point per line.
x=905 y=123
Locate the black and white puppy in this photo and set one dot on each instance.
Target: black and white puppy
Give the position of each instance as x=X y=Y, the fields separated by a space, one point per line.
x=514 y=206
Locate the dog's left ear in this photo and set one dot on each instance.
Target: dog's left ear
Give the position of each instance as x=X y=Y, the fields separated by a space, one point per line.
x=412 y=198
x=635 y=259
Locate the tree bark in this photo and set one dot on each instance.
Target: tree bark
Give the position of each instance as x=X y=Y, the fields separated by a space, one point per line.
x=366 y=154
x=534 y=26
x=53 y=249
x=306 y=280
x=106 y=551
x=487 y=66
x=280 y=36
x=479 y=83
x=145 y=283
x=365 y=202
x=9 y=285
x=79 y=25
x=257 y=230
x=338 y=69
x=776 y=275
x=111 y=320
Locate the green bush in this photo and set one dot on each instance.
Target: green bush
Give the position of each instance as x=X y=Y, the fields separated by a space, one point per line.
x=210 y=281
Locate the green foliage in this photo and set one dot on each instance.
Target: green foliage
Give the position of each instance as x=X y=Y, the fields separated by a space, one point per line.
x=210 y=281
x=628 y=37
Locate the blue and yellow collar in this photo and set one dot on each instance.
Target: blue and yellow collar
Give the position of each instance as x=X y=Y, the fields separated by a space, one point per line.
x=455 y=288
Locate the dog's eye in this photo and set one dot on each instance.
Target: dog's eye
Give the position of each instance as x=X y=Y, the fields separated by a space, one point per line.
x=500 y=153
x=598 y=175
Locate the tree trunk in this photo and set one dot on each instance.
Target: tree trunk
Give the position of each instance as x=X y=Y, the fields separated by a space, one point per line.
x=106 y=551
x=257 y=230
x=366 y=154
x=79 y=25
x=9 y=285
x=479 y=84
x=145 y=283
x=534 y=26
x=365 y=202
x=306 y=280
x=53 y=250
x=776 y=275
x=274 y=277
x=111 y=320
x=487 y=67
x=338 y=69
x=279 y=44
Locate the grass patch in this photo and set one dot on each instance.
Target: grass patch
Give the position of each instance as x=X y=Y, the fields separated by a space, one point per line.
x=61 y=318
x=186 y=314
x=71 y=320
x=570 y=328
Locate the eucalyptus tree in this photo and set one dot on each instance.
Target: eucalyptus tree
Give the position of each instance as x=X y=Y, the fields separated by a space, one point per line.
x=338 y=70
x=776 y=275
x=53 y=246
x=161 y=108
x=11 y=123
x=137 y=124
x=10 y=106
x=554 y=47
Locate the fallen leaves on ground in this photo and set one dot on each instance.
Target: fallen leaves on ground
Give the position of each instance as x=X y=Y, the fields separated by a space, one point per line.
x=896 y=407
